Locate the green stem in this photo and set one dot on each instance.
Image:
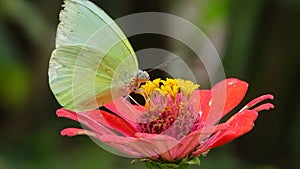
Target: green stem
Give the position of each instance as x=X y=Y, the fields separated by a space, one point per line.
x=184 y=164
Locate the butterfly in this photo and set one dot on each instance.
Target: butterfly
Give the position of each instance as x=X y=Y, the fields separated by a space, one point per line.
x=93 y=62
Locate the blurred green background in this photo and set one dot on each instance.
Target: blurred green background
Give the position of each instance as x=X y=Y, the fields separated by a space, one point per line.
x=259 y=42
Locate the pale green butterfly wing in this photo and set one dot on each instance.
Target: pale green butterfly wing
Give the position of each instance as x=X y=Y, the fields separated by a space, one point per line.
x=93 y=62
x=80 y=20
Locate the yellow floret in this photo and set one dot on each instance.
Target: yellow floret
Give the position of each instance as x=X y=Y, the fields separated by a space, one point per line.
x=186 y=87
x=169 y=86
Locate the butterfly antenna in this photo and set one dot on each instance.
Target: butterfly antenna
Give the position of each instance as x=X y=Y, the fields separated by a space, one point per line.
x=163 y=64
x=128 y=96
x=146 y=96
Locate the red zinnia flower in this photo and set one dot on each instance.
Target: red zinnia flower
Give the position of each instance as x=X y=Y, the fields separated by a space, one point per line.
x=177 y=122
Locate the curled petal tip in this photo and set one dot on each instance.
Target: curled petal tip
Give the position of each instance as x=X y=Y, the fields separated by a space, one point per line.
x=264 y=97
x=268 y=96
x=70 y=132
x=62 y=112
x=66 y=114
x=266 y=106
x=58 y=112
x=258 y=100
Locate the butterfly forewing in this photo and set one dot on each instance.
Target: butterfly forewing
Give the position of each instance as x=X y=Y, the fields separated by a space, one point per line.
x=91 y=53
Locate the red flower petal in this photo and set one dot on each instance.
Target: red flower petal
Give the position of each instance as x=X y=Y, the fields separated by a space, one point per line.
x=66 y=114
x=124 y=145
x=266 y=106
x=223 y=97
x=99 y=121
x=200 y=99
x=240 y=124
x=126 y=110
x=146 y=145
x=105 y=139
x=257 y=100
x=118 y=124
x=70 y=132
x=83 y=119
x=192 y=140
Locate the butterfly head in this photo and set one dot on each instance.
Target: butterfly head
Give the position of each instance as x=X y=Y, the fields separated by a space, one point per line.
x=142 y=76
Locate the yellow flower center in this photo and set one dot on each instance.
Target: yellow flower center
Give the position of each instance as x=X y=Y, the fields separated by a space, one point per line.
x=168 y=87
